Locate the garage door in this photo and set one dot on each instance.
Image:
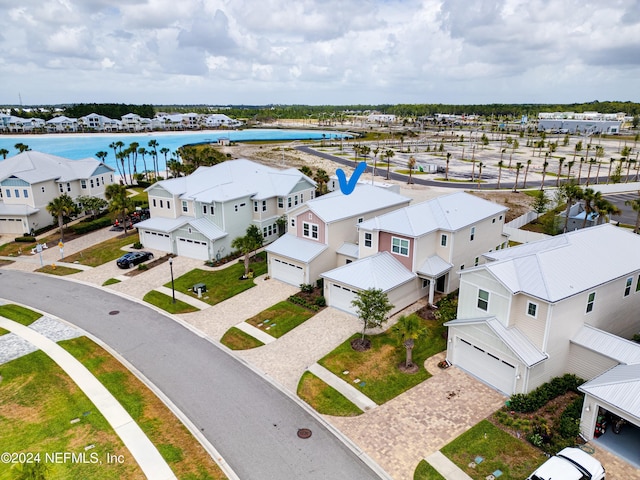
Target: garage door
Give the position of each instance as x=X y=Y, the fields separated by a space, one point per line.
x=340 y=297
x=11 y=226
x=157 y=241
x=498 y=373
x=188 y=247
x=287 y=272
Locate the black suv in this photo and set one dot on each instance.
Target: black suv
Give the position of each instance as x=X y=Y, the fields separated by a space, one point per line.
x=128 y=260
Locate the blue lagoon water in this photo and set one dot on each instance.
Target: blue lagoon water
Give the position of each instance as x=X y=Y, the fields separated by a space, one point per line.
x=78 y=146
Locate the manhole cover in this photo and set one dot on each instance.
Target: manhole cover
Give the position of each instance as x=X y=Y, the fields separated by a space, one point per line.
x=304 y=433
x=114 y=312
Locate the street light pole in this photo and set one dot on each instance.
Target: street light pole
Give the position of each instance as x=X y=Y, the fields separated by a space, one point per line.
x=173 y=290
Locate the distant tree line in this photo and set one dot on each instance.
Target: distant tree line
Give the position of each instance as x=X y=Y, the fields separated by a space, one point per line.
x=111 y=110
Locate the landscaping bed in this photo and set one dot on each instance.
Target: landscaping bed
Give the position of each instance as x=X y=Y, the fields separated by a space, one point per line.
x=281 y=318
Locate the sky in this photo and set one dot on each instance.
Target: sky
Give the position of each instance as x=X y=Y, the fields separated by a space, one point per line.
x=319 y=52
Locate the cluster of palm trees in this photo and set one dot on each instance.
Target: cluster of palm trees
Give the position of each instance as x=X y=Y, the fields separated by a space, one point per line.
x=130 y=154
x=593 y=202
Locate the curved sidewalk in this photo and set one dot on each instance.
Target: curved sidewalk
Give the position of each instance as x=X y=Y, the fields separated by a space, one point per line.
x=140 y=447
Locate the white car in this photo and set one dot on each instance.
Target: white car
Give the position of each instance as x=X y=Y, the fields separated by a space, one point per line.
x=570 y=464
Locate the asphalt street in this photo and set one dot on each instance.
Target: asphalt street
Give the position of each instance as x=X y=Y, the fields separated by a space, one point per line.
x=251 y=423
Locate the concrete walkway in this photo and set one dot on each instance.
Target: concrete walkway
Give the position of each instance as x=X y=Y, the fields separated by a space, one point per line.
x=356 y=397
x=140 y=447
x=183 y=297
x=446 y=467
x=256 y=333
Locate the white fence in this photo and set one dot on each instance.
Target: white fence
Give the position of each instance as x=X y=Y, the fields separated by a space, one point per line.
x=522 y=220
x=523 y=236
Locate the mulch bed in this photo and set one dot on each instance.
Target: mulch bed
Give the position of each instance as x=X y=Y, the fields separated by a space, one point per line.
x=151 y=264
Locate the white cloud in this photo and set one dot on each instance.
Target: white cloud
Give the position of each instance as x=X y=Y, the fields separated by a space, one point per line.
x=348 y=51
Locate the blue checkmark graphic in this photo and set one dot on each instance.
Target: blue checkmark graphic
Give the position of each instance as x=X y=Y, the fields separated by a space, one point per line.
x=348 y=186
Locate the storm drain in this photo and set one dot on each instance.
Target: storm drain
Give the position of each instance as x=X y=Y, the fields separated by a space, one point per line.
x=114 y=312
x=304 y=433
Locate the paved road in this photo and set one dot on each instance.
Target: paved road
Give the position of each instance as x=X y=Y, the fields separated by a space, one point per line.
x=251 y=423
x=627 y=216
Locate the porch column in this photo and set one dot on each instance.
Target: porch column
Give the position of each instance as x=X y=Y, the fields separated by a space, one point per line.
x=432 y=286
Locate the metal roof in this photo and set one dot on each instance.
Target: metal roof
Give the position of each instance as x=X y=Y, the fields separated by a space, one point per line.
x=512 y=337
x=17 y=209
x=234 y=179
x=608 y=344
x=34 y=167
x=380 y=271
x=336 y=205
x=208 y=228
x=619 y=387
x=434 y=266
x=165 y=225
x=349 y=250
x=565 y=265
x=296 y=248
x=447 y=212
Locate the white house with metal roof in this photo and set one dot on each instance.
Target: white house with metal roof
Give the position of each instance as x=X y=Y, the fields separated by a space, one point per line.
x=198 y=216
x=30 y=180
x=429 y=242
x=318 y=230
x=543 y=309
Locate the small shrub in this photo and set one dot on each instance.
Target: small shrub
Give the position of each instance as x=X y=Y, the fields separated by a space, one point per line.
x=143 y=266
x=636 y=337
x=85 y=227
x=320 y=285
x=137 y=245
x=536 y=399
x=26 y=239
x=320 y=301
x=306 y=287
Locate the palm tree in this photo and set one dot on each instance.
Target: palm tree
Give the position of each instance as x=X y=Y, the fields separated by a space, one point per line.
x=21 y=147
x=576 y=149
x=119 y=202
x=500 y=165
x=591 y=162
x=101 y=155
x=590 y=197
x=610 y=167
x=143 y=151
x=526 y=172
x=480 y=165
x=389 y=154
x=473 y=168
x=570 y=191
x=133 y=151
x=411 y=164
x=408 y=330
x=321 y=178
x=120 y=157
x=544 y=174
x=446 y=172
x=4 y=152
x=375 y=162
x=569 y=167
x=60 y=207
x=580 y=169
x=629 y=161
x=605 y=208
x=154 y=145
x=635 y=205
x=518 y=167
x=164 y=151
x=560 y=162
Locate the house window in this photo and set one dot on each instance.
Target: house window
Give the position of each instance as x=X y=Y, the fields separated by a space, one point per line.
x=9 y=192
x=154 y=202
x=91 y=180
x=293 y=222
x=627 y=286
x=360 y=220
x=462 y=267
x=83 y=184
x=161 y=204
x=264 y=232
x=25 y=193
x=473 y=234
x=204 y=209
x=68 y=187
x=312 y=194
x=483 y=300
x=443 y=240
x=42 y=189
x=367 y=239
x=255 y=206
x=425 y=283
x=61 y=188
x=168 y=204
x=638 y=284
x=235 y=207
x=310 y=230
x=302 y=197
x=184 y=206
x=590 y=301
x=17 y=192
x=264 y=205
x=476 y=261
x=532 y=309
x=400 y=246
x=289 y=202
x=280 y=202
x=212 y=209
x=493 y=220
x=295 y=199
x=348 y=262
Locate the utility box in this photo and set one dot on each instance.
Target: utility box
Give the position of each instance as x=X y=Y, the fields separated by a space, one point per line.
x=199 y=288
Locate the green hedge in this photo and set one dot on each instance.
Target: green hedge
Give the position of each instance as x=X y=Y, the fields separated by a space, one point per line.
x=25 y=239
x=530 y=402
x=302 y=302
x=85 y=227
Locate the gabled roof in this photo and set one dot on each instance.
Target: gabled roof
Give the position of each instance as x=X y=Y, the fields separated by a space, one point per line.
x=619 y=387
x=380 y=271
x=512 y=337
x=296 y=248
x=349 y=250
x=608 y=344
x=364 y=199
x=448 y=212
x=234 y=179
x=565 y=265
x=33 y=167
x=434 y=266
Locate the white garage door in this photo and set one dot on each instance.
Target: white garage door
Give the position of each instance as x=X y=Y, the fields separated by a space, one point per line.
x=157 y=241
x=287 y=272
x=341 y=297
x=11 y=226
x=188 y=247
x=486 y=366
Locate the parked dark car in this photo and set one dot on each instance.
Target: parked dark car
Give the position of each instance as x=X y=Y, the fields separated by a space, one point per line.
x=129 y=260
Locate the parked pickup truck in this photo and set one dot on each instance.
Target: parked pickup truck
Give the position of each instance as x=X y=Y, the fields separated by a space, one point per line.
x=570 y=464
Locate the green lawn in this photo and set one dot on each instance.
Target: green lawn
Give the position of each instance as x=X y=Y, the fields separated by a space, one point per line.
x=110 y=281
x=165 y=302
x=514 y=457
x=18 y=314
x=281 y=318
x=424 y=471
x=103 y=252
x=236 y=339
x=378 y=367
x=324 y=398
x=221 y=284
x=58 y=270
